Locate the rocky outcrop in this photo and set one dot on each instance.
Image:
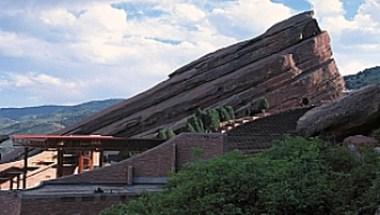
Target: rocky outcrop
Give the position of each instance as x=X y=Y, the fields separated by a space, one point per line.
x=290 y=63
x=356 y=113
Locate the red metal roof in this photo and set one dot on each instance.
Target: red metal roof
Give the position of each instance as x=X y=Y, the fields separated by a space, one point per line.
x=83 y=142
x=62 y=137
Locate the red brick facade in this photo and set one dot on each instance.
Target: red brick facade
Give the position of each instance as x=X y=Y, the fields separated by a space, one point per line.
x=156 y=162
x=10 y=203
x=68 y=205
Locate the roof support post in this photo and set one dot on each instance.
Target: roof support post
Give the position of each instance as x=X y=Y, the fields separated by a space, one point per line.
x=101 y=155
x=80 y=162
x=91 y=160
x=11 y=184
x=59 y=162
x=18 y=181
x=26 y=151
x=130 y=175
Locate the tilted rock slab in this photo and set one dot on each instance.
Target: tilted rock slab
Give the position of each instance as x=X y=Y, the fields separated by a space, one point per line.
x=356 y=113
x=290 y=61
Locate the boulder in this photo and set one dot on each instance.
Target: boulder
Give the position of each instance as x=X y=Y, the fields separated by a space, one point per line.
x=356 y=113
x=357 y=143
x=291 y=62
x=360 y=140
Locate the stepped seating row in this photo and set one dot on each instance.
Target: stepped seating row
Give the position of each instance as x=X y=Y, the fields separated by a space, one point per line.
x=259 y=134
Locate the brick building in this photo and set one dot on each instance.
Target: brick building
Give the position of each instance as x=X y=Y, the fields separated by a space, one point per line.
x=93 y=191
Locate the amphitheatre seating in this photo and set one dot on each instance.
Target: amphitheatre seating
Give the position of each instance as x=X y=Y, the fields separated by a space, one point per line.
x=259 y=134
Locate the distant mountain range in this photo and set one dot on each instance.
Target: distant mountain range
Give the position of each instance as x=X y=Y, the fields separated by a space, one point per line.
x=47 y=119
x=363 y=78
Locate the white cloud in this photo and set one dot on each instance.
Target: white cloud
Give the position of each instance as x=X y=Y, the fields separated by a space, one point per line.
x=105 y=53
x=40 y=87
x=355 y=42
x=370 y=9
x=188 y=13
x=92 y=49
x=247 y=18
x=327 y=8
x=59 y=17
x=15 y=45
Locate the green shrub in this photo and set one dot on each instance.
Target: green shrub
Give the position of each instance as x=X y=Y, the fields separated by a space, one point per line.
x=190 y=127
x=170 y=133
x=166 y=134
x=231 y=112
x=212 y=121
x=223 y=114
x=259 y=106
x=195 y=124
x=205 y=121
x=162 y=134
x=200 y=114
x=296 y=176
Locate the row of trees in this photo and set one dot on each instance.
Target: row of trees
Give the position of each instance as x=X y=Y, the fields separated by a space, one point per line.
x=203 y=121
x=207 y=121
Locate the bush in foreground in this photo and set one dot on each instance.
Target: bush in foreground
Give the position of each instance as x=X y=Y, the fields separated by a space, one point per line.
x=296 y=176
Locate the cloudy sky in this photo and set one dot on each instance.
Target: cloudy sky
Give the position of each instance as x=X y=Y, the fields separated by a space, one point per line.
x=70 y=51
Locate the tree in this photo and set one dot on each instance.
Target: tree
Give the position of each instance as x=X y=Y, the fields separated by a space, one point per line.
x=166 y=134
x=195 y=124
x=231 y=112
x=224 y=114
x=258 y=106
x=162 y=134
x=213 y=120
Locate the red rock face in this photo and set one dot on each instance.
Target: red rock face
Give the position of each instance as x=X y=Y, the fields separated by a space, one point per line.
x=289 y=64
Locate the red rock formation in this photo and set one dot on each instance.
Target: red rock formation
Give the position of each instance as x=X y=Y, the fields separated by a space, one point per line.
x=357 y=113
x=290 y=62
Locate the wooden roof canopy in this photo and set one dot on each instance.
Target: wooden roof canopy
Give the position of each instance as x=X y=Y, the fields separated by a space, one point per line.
x=90 y=142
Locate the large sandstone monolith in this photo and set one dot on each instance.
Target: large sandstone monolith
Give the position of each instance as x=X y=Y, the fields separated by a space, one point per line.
x=356 y=113
x=290 y=63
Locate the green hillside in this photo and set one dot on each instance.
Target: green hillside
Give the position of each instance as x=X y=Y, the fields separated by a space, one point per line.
x=46 y=119
x=363 y=78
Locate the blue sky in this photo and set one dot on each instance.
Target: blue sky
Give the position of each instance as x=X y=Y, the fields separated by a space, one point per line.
x=71 y=51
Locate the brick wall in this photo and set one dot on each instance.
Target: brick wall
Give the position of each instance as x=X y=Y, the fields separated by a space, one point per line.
x=89 y=205
x=156 y=162
x=190 y=146
x=9 y=203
